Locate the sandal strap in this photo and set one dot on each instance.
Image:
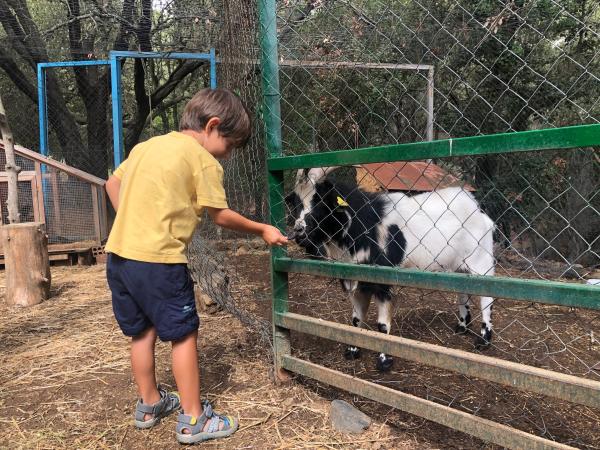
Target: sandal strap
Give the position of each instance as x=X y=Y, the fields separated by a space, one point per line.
x=168 y=402
x=144 y=408
x=191 y=423
x=196 y=424
x=207 y=409
x=214 y=424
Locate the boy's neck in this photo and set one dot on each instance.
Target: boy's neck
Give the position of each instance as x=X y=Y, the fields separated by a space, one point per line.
x=199 y=137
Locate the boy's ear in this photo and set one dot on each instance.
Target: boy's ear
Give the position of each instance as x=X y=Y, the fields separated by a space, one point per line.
x=212 y=124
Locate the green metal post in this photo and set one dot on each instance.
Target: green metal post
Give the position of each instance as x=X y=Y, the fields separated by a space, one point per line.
x=272 y=118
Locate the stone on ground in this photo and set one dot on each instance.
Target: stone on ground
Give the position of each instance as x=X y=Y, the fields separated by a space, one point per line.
x=347 y=419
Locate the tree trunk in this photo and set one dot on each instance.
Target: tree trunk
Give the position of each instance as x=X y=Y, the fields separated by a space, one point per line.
x=12 y=169
x=25 y=248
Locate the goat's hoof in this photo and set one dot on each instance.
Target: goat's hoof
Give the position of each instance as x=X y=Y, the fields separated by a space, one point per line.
x=461 y=329
x=484 y=341
x=384 y=364
x=352 y=353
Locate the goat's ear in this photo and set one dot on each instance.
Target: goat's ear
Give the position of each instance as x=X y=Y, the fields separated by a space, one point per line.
x=317 y=174
x=301 y=176
x=328 y=193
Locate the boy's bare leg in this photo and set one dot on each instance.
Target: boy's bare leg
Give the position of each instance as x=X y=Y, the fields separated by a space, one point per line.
x=187 y=375
x=142 y=366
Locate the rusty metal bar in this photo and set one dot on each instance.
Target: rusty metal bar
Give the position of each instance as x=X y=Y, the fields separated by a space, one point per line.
x=476 y=426
x=519 y=376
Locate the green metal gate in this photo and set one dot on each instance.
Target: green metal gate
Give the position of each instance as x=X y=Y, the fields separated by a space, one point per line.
x=519 y=376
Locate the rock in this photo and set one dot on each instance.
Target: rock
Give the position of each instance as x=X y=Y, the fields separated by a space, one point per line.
x=347 y=419
x=203 y=299
x=242 y=251
x=208 y=301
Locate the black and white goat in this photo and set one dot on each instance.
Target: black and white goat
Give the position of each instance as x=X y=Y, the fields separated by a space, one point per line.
x=442 y=230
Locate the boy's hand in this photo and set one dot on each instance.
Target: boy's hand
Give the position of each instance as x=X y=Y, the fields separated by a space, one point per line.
x=225 y=217
x=272 y=236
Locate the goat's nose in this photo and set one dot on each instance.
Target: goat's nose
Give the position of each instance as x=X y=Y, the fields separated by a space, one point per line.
x=299 y=227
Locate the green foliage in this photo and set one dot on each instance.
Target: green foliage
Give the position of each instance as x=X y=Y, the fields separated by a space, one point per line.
x=499 y=67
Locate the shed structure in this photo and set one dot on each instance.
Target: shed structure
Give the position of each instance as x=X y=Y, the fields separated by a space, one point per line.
x=412 y=176
x=71 y=203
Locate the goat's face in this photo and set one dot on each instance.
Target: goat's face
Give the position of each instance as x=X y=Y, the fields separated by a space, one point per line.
x=319 y=213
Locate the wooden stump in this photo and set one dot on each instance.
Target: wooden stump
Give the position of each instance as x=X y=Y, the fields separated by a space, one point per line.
x=27 y=266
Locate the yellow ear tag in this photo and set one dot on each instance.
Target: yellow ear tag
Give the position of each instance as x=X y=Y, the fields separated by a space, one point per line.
x=341 y=202
x=193 y=421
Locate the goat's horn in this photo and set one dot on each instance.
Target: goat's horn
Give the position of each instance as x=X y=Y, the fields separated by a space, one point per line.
x=318 y=173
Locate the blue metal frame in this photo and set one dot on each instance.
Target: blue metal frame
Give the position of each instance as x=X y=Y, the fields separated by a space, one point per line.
x=116 y=92
x=43 y=106
x=115 y=67
x=42 y=99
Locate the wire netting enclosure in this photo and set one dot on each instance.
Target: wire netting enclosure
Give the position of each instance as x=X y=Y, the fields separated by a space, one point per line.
x=68 y=92
x=495 y=69
x=356 y=74
x=70 y=202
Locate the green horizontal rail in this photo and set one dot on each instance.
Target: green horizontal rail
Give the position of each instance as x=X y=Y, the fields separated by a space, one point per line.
x=550 y=292
x=525 y=141
x=459 y=420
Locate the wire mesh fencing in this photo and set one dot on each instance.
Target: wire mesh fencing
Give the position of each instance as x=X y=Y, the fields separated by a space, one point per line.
x=71 y=203
x=360 y=73
x=78 y=117
x=488 y=67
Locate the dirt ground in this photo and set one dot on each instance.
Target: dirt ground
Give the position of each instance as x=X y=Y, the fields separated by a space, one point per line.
x=546 y=336
x=66 y=383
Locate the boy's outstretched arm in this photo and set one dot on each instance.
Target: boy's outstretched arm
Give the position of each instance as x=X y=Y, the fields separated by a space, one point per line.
x=112 y=186
x=231 y=220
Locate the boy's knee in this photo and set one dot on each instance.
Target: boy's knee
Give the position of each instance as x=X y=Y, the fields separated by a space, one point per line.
x=191 y=336
x=147 y=334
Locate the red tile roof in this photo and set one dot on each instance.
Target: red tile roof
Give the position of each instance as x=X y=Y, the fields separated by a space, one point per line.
x=412 y=176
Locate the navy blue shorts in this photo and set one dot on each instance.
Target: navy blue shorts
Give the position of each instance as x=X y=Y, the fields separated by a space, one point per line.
x=152 y=294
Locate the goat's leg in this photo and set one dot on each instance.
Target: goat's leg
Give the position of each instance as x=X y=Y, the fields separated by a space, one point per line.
x=482 y=263
x=485 y=338
x=384 y=325
x=464 y=314
x=360 y=306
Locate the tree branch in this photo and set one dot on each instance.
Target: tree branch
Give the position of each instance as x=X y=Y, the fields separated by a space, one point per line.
x=15 y=74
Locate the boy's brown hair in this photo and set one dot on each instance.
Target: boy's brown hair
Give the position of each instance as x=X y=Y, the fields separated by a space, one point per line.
x=221 y=103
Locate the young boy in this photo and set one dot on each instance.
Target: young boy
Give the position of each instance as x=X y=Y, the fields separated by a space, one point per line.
x=159 y=193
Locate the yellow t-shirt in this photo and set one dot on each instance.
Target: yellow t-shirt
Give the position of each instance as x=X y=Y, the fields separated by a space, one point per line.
x=165 y=183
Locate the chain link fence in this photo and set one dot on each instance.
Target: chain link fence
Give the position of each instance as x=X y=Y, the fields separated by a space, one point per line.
x=489 y=67
x=359 y=73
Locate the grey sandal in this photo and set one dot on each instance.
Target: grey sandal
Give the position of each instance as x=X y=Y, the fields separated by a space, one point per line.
x=169 y=402
x=195 y=425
